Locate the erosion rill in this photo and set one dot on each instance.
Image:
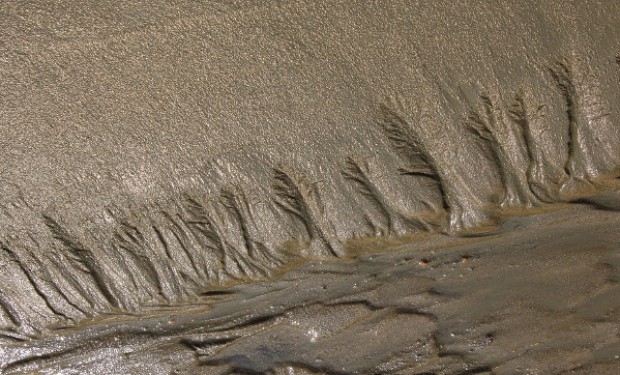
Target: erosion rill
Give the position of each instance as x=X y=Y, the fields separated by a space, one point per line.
x=310 y=187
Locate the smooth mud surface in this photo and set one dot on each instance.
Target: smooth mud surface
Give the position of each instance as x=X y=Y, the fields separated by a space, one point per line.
x=293 y=187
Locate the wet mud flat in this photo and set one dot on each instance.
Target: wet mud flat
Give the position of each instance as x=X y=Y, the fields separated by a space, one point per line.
x=295 y=187
x=539 y=295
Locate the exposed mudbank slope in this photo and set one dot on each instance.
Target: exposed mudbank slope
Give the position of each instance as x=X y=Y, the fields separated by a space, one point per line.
x=149 y=152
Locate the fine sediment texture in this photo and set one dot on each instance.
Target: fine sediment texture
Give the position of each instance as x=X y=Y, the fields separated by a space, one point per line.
x=155 y=154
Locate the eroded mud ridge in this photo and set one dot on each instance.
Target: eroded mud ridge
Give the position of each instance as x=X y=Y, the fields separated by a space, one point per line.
x=154 y=154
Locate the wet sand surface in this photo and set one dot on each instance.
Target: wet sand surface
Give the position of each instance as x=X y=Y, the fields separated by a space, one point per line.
x=540 y=298
x=295 y=187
